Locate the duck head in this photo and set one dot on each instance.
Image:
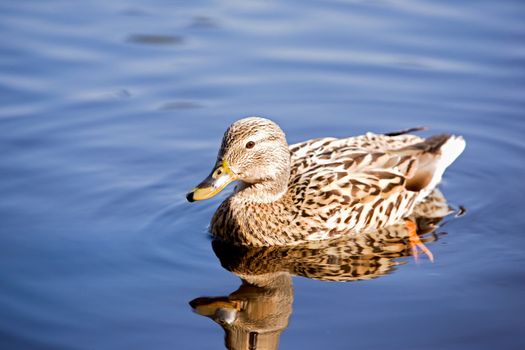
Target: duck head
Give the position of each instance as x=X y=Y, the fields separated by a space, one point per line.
x=255 y=152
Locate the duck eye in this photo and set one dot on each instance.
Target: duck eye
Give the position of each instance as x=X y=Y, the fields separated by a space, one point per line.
x=250 y=144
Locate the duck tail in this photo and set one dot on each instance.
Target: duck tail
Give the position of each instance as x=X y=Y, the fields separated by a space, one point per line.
x=450 y=149
x=435 y=155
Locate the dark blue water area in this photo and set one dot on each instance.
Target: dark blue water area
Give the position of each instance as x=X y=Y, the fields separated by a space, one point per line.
x=110 y=111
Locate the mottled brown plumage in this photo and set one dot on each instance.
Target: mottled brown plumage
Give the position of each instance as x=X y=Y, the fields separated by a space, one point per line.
x=346 y=258
x=322 y=188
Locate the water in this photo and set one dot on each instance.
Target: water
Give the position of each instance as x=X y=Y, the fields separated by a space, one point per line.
x=111 y=111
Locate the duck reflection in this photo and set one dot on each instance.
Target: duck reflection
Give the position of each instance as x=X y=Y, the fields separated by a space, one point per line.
x=254 y=316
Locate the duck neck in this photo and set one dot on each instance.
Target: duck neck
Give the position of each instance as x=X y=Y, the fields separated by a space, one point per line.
x=267 y=191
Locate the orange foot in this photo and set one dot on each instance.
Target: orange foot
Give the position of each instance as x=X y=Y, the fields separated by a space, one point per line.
x=415 y=242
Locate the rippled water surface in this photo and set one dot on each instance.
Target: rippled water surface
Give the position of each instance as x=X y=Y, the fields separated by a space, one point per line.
x=111 y=110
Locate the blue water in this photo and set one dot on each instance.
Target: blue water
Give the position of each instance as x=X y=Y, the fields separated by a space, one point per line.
x=110 y=111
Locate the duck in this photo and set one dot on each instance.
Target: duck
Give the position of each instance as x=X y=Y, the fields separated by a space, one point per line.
x=323 y=188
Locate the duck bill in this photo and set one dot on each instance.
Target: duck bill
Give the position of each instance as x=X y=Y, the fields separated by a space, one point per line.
x=219 y=178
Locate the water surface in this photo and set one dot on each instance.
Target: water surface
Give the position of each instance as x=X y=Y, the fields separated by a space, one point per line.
x=111 y=110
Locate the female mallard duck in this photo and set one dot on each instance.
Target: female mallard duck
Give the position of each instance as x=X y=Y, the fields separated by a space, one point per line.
x=322 y=188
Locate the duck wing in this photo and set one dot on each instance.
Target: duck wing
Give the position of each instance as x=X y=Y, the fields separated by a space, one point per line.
x=338 y=186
